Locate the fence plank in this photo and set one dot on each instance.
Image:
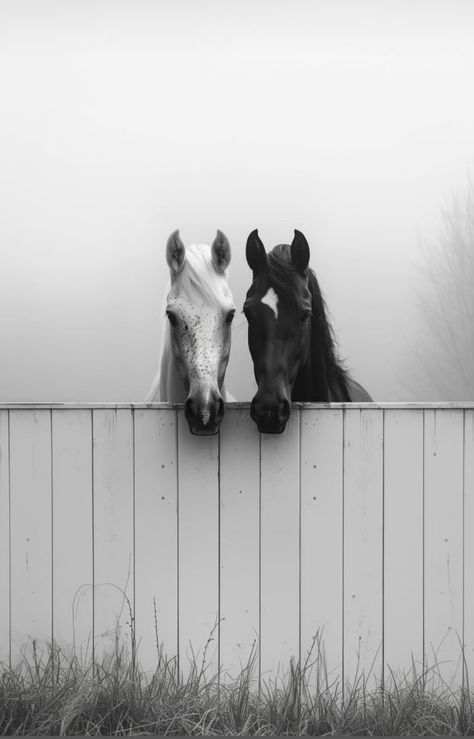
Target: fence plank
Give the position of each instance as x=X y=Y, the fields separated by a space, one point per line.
x=30 y=516
x=113 y=529
x=72 y=531
x=198 y=506
x=4 y=538
x=443 y=541
x=280 y=548
x=403 y=540
x=468 y=546
x=239 y=539
x=363 y=524
x=321 y=543
x=156 y=535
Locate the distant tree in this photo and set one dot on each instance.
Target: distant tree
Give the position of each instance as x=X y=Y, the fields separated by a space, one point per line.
x=445 y=351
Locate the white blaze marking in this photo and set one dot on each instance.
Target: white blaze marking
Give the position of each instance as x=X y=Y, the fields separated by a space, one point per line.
x=271 y=299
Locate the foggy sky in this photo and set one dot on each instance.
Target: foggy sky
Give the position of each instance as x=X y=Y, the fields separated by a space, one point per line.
x=352 y=121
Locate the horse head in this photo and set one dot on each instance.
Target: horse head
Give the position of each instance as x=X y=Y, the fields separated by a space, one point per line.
x=278 y=307
x=200 y=309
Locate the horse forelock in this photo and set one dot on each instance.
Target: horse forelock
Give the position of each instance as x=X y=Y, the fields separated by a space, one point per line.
x=285 y=279
x=200 y=282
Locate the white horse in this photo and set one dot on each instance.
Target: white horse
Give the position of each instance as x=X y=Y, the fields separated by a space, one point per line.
x=196 y=344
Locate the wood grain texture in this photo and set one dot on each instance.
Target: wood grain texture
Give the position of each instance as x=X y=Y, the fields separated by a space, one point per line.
x=156 y=535
x=363 y=543
x=468 y=616
x=72 y=531
x=198 y=553
x=4 y=537
x=280 y=549
x=239 y=541
x=113 y=510
x=443 y=591
x=30 y=526
x=321 y=542
x=403 y=539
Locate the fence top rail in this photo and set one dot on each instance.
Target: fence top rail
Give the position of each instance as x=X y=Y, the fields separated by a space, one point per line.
x=412 y=405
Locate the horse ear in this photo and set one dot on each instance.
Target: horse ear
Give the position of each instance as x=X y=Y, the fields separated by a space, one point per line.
x=299 y=252
x=220 y=252
x=255 y=252
x=175 y=253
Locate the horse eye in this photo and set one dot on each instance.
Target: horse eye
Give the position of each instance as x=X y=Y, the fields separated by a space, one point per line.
x=172 y=317
x=230 y=316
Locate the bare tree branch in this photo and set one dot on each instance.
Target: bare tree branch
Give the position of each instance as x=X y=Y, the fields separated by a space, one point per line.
x=445 y=350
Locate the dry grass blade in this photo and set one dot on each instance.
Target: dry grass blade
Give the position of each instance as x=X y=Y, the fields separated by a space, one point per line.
x=52 y=693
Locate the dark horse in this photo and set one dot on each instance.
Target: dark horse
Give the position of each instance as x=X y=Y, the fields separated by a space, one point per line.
x=290 y=338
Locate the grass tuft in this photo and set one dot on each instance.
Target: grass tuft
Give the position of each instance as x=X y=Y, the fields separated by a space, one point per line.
x=50 y=692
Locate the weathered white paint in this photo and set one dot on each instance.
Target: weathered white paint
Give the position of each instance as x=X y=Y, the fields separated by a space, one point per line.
x=156 y=533
x=403 y=538
x=363 y=542
x=4 y=536
x=73 y=565
x=321 y=539
x=198 y=549
x=279 y=547
x=30 y=527
x=113 y=526
x=271 y=299
x=444 y=541
x=355 y=526
x=239 y=540
x=468 y=638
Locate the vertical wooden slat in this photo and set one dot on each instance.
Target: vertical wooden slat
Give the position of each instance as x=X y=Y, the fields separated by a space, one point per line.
x=443 y=542
x=113 y=529
x=280 y=548
x=469 y=546
x=403 y=541
x=30 y=512
x=72 y=531
x=239 y=540
x=363 y=532
x=4 y=538
x=321 y=542
x=198 y=575
x=156 y=535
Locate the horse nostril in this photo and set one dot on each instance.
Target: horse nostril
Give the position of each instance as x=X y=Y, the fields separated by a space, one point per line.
x=285 y=410
x=220 y=410
x=189 y=408
x=253 y=410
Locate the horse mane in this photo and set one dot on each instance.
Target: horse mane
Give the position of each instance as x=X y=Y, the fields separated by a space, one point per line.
x=337 y=374
x=283 y=276
x=200 y=281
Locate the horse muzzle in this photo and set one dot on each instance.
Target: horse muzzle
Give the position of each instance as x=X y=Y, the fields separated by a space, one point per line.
x=270 y=416
x=204 y=416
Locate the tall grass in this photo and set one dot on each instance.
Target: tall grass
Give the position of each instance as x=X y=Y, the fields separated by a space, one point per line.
x=52 y=693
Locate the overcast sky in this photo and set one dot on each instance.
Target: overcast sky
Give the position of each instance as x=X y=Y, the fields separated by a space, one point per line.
x=352 y=121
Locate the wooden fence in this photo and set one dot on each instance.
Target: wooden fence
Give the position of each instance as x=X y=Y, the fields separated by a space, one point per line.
x=354 y=526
